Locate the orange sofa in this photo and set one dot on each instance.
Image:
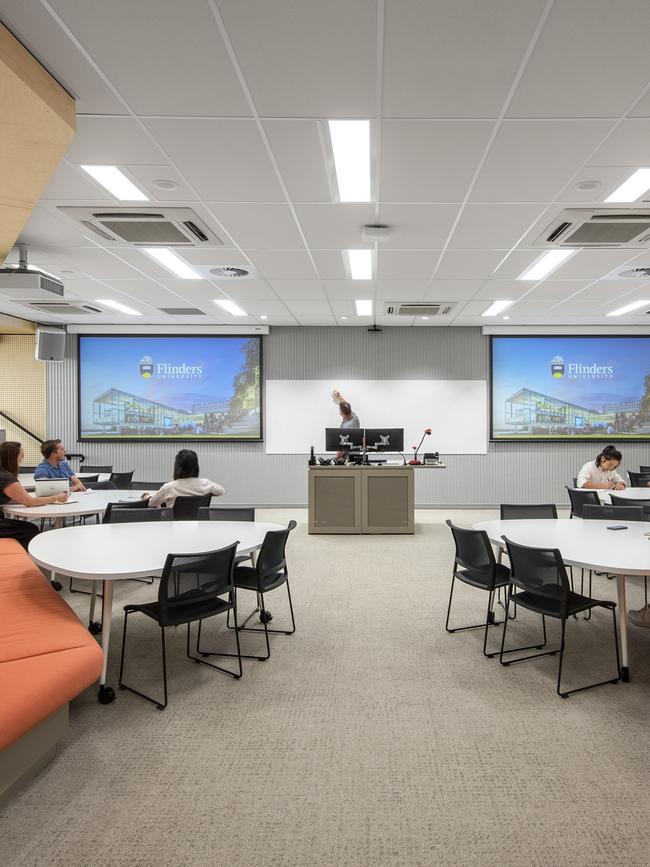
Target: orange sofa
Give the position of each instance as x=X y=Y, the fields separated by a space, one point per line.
x=47 y=657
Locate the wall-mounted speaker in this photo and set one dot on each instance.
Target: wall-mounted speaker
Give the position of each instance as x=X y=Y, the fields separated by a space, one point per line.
x=50 y=344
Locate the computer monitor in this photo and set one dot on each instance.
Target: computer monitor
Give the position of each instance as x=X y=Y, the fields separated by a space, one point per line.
x=385 y=439
x=343 y=439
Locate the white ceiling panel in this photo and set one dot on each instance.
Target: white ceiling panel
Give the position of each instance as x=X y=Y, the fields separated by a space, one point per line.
x=145 y=177
x=514 y=262
x=348 y=289
x=418 y=227
x=593 y=263
x=143 y=264
x=628 y=145
x=430 y=161
x=298 y=151
x=316 y=321
x=606 y=290
x=334 y=226
x=309 y=307
x=554 y=290
x=502 y=289
x=453 y=58
x=225 y=159
x=307 y=59
x=94 y=262
x=168 y=59
x=531 y=161
x=469 y=264
x=412 y=265
x=205 y=257
x=590 y=61
x=607 y=178
x=299 y=289
x=43 y=229
x=259 y=226
x=283 y=264
x=247 y=290
x=68 y=183
x=401 y=290
x=452 y=290
x=330 y=264
x=493 y=227
x=142 y=290
x=112 y=141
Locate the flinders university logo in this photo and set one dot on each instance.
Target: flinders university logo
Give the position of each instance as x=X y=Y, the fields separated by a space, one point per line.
x=557 y=367
x=146 y=367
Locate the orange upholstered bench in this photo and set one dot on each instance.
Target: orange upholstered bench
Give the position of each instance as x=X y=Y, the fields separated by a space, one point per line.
x=47 y=657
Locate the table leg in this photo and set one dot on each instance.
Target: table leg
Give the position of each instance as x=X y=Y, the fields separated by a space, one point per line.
x=93 y=627
x=106 y=693
x=622 y=625
x=58 y=523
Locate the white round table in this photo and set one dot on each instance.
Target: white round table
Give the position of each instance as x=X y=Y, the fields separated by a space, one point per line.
x=80 y=503
x=114 y=552
x=588 y=545
x=27 y=479
x=627 y=494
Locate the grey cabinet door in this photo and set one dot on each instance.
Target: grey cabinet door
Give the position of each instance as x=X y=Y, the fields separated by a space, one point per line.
x=387 y=501
x=334 y=501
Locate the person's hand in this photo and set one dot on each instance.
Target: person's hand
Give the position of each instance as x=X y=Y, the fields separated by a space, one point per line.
x=60 y=498
x=619 y=487
x=145 y=496
x=336 y=396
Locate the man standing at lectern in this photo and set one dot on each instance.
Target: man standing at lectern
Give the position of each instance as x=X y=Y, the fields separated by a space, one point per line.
x=348 y=419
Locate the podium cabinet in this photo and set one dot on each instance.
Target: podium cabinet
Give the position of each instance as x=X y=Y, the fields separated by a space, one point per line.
x=354 y=499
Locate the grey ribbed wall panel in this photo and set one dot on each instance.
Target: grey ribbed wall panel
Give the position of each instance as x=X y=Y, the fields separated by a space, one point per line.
x=533 y=472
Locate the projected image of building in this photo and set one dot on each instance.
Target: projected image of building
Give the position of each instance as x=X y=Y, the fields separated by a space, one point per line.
x=532 y=413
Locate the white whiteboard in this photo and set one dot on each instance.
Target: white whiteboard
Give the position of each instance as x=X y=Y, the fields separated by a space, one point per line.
x=299 y=410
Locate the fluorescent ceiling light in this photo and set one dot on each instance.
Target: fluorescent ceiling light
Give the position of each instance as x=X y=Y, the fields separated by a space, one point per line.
x=121 y=308
x=364 y=308
x=360 y=264
x=172 y=262
x=230 y=307
x=351 y=151
x=496 y=307
x=630 y=190
x=264 y=316
x=635 y=305
x=116 y=182
x=551 y=260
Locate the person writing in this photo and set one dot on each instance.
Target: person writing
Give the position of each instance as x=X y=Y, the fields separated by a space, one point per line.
x=601 y=473
x=11 y=491
x=55 y=466
x=186 y=482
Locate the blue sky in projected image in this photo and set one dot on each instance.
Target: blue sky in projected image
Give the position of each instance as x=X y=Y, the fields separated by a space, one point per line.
x=525 y=362
x=115 y=363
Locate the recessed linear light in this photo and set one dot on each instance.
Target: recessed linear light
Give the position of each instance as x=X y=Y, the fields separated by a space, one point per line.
x=360 y=264
x=344 y=317
x=496 y=307
x=506 y=317
x=630 y=190
x=629 y=308
x=263 y=316
x=547 y=263
x=122 y=308
x=230 y=307
x=351 y=151
x=364 y=307
x=116 y=182
x=172 y=262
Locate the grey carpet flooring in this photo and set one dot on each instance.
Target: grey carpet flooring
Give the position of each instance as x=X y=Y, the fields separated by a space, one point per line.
x=371 y=736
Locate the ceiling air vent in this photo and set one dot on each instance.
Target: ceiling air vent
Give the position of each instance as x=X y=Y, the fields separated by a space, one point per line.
x=587 y=227
x=182 y=311
x=63 y=308
x=229 y=272
x=419 y=308
x=167 y=227
x=634 y=274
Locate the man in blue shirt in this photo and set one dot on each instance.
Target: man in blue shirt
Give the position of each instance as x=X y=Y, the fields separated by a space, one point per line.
x=55 y=466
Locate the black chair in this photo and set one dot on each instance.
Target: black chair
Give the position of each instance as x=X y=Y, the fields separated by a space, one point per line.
x=523 y=511
x=138 y=515
x=628 y=512
x=638 y=480
x=645 y=471
x=475 y=565
x=187 y=508
x=122 y=480
x=27 y=470
x=226 y=513
x=132 y=504
x=581 y=498
x=626 y=501
x=575 y=481
x=89 y=480
x=539 y=583
x=192 y=587
x=146 y=486
x=84 y=468
x=269 y=572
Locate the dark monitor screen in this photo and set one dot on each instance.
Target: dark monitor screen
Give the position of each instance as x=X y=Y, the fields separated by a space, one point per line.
x=343 y=439
x=385 y=439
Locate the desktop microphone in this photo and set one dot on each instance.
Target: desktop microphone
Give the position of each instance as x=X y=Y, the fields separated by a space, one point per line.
x=415 y=462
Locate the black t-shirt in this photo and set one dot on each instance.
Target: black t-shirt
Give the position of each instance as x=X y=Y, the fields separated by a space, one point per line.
x=5 y=479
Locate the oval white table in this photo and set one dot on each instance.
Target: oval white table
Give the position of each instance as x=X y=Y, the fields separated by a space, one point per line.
x=588 y=545
x=114 y=552
x=626 y=493
x=80 y=503
x=27 y=479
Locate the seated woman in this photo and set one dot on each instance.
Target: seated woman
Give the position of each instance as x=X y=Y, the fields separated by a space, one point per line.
x=11 y=491
x=186 y=482
x=601 y=473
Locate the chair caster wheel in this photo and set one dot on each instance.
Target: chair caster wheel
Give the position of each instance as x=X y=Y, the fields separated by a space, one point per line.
x=106 y=694
x=56 y=585
x=265 y=617
x=94 y=628
x=160 y=706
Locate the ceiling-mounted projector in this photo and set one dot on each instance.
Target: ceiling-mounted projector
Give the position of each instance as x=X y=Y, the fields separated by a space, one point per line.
x=23 y=284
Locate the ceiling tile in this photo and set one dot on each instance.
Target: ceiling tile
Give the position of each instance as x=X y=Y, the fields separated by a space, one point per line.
x=452 y=290
x=309 y=307
x=307 y=59
x=411 y=265
x=283 y=264
x=46 y=230
x=259 y=226
x=493 y=227
x=330 y=264
x=112 y=141
x=69 y=183
x=300 y=289
x=401 y=290
x=530 y=161
x=298 y=151
x=144 y=176
x=470 y=264
x=502 y=289
x=418 y=227
x=205 y=257
x=453 y=59
x=334 y=226
x=348 y=289
x=224 y=159
x=430 y=161
x=315 y=321
x=247 y=290
x=608 y=179
x=95 y=262
x=628 y=145
x=592 y=264
x=589 y=61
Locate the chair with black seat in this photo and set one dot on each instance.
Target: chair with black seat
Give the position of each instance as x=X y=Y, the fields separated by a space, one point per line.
x=575 y=481
x=146 y=486
x=192 y=589
x=26 y=470
x=626 y=501
x=580 y=498
x=539 y=583
x=645 y=471
x=270 y=571
x=638 y=480
x=133 y=514
x=187 y=508
x=476 y=566
x=95 y=469
x=524 y=511
x=122 y=481
x=230 y=513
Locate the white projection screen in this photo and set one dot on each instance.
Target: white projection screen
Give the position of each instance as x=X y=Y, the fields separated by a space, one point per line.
x=299 y=410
